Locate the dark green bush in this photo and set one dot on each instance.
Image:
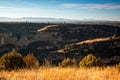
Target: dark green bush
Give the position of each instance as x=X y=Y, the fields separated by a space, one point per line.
x=90 y=61
x=31 y=61
x=11 y=60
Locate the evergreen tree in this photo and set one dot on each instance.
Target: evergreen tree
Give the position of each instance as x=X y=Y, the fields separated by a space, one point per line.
x=11 y=60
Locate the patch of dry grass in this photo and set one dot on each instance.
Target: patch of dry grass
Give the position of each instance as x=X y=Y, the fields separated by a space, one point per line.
x=98 y=40
x=46 y=27
x=56 y=73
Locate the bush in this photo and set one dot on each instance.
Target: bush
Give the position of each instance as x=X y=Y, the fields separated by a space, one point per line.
x=67 y=62
x=11 y=60
x=90 y=61
x=31 y=61
x=118 y=66
x=47 y=63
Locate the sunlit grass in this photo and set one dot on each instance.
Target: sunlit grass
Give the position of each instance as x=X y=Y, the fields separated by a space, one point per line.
x=97 y=40
x=57 y=73
x=46 y=27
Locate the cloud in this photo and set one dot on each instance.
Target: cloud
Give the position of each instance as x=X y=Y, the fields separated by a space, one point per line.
x=91 y=6
x=3 y=7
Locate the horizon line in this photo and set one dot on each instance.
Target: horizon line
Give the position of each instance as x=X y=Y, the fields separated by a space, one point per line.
x=92 y=19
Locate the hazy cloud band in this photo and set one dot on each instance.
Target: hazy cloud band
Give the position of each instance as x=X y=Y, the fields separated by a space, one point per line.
x=91 y=6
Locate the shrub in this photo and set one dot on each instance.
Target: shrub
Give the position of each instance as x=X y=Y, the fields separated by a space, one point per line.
x=47 y=63
x=90 y=61
x=118 y=66
x=31 y=61
x=11 y=60
x=67 y=62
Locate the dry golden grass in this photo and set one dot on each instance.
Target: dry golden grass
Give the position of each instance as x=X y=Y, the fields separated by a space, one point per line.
x=98 y=40
x=56 y=73
x=46 y=27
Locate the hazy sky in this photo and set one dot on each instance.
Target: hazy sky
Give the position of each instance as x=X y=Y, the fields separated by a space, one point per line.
x=69 y=9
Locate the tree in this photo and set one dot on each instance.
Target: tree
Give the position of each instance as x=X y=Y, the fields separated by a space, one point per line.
x=90 y=61
x=31 y=61
x=12 y=60
x=70 y=50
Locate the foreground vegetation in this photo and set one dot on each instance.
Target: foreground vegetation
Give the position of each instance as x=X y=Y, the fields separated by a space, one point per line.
x=15 y=67
x=68 y=73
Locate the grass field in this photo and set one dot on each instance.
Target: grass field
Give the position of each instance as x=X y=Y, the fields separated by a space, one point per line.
x=56 y=73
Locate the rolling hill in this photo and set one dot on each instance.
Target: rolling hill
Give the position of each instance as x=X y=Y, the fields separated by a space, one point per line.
x=44 y=39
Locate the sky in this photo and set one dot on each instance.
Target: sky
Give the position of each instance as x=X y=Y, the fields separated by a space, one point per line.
x=68 y=9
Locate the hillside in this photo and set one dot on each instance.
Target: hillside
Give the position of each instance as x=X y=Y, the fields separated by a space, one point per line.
x=44 y=39
x=108 y=49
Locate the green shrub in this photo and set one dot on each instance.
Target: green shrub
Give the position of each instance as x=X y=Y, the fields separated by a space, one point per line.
x=11 y=60
x=90 y=61
x=67 y=62
x=31 y=61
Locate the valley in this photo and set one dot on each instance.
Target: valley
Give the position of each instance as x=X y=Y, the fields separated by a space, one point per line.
x=47 y=40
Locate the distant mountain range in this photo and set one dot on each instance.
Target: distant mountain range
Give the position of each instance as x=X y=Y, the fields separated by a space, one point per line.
x=44 y=19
